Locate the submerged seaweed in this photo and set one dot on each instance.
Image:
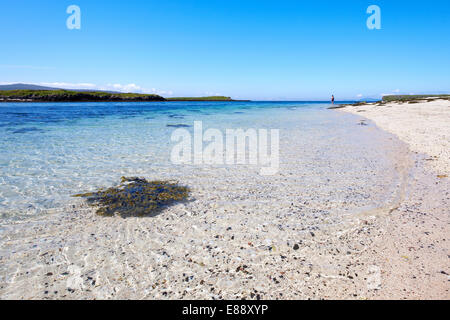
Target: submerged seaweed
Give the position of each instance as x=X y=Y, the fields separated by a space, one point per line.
x=136 y=197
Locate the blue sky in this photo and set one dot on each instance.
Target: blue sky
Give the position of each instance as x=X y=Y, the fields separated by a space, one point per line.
x=261 y=50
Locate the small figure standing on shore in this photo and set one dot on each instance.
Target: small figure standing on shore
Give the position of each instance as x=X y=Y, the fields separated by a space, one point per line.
x=332 y=99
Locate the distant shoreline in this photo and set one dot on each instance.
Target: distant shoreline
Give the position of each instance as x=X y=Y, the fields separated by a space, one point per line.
x=410 y=99
x=90 y=101
x=93 y=96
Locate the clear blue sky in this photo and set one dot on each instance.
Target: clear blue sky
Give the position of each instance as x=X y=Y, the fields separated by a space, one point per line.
x=260 y=49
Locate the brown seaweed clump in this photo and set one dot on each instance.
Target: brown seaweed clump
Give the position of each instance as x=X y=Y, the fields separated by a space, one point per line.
x=136 y=197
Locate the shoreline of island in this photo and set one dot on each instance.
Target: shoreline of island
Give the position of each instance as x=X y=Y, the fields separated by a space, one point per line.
x=17 y=96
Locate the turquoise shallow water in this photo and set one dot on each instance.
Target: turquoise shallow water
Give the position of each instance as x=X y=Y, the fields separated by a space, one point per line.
x=51 y=151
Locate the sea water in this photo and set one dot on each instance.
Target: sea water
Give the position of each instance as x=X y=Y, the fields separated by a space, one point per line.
x=51 y=151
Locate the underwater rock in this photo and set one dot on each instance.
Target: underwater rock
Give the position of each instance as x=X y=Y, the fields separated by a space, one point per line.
x=27 y=130
x=176 y=116
x=178 y=126
x=136 y=197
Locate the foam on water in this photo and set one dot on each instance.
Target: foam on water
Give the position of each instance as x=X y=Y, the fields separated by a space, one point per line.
x=52 y=151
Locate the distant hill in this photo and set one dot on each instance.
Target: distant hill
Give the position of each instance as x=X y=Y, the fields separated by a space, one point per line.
x=30 y=92
x=23 y=86
x=72 y=96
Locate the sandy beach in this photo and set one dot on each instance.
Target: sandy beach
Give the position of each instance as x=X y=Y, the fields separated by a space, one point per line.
x=225 y=151
x=306 y=233
x=414 y=248
x=424 y=126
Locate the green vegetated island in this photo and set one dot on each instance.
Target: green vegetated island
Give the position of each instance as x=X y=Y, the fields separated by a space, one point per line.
x=409 y=99
x=90 y=96
x=415 y=98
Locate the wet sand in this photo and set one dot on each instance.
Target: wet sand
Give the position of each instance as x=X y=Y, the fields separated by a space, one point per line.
x=310 y=232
